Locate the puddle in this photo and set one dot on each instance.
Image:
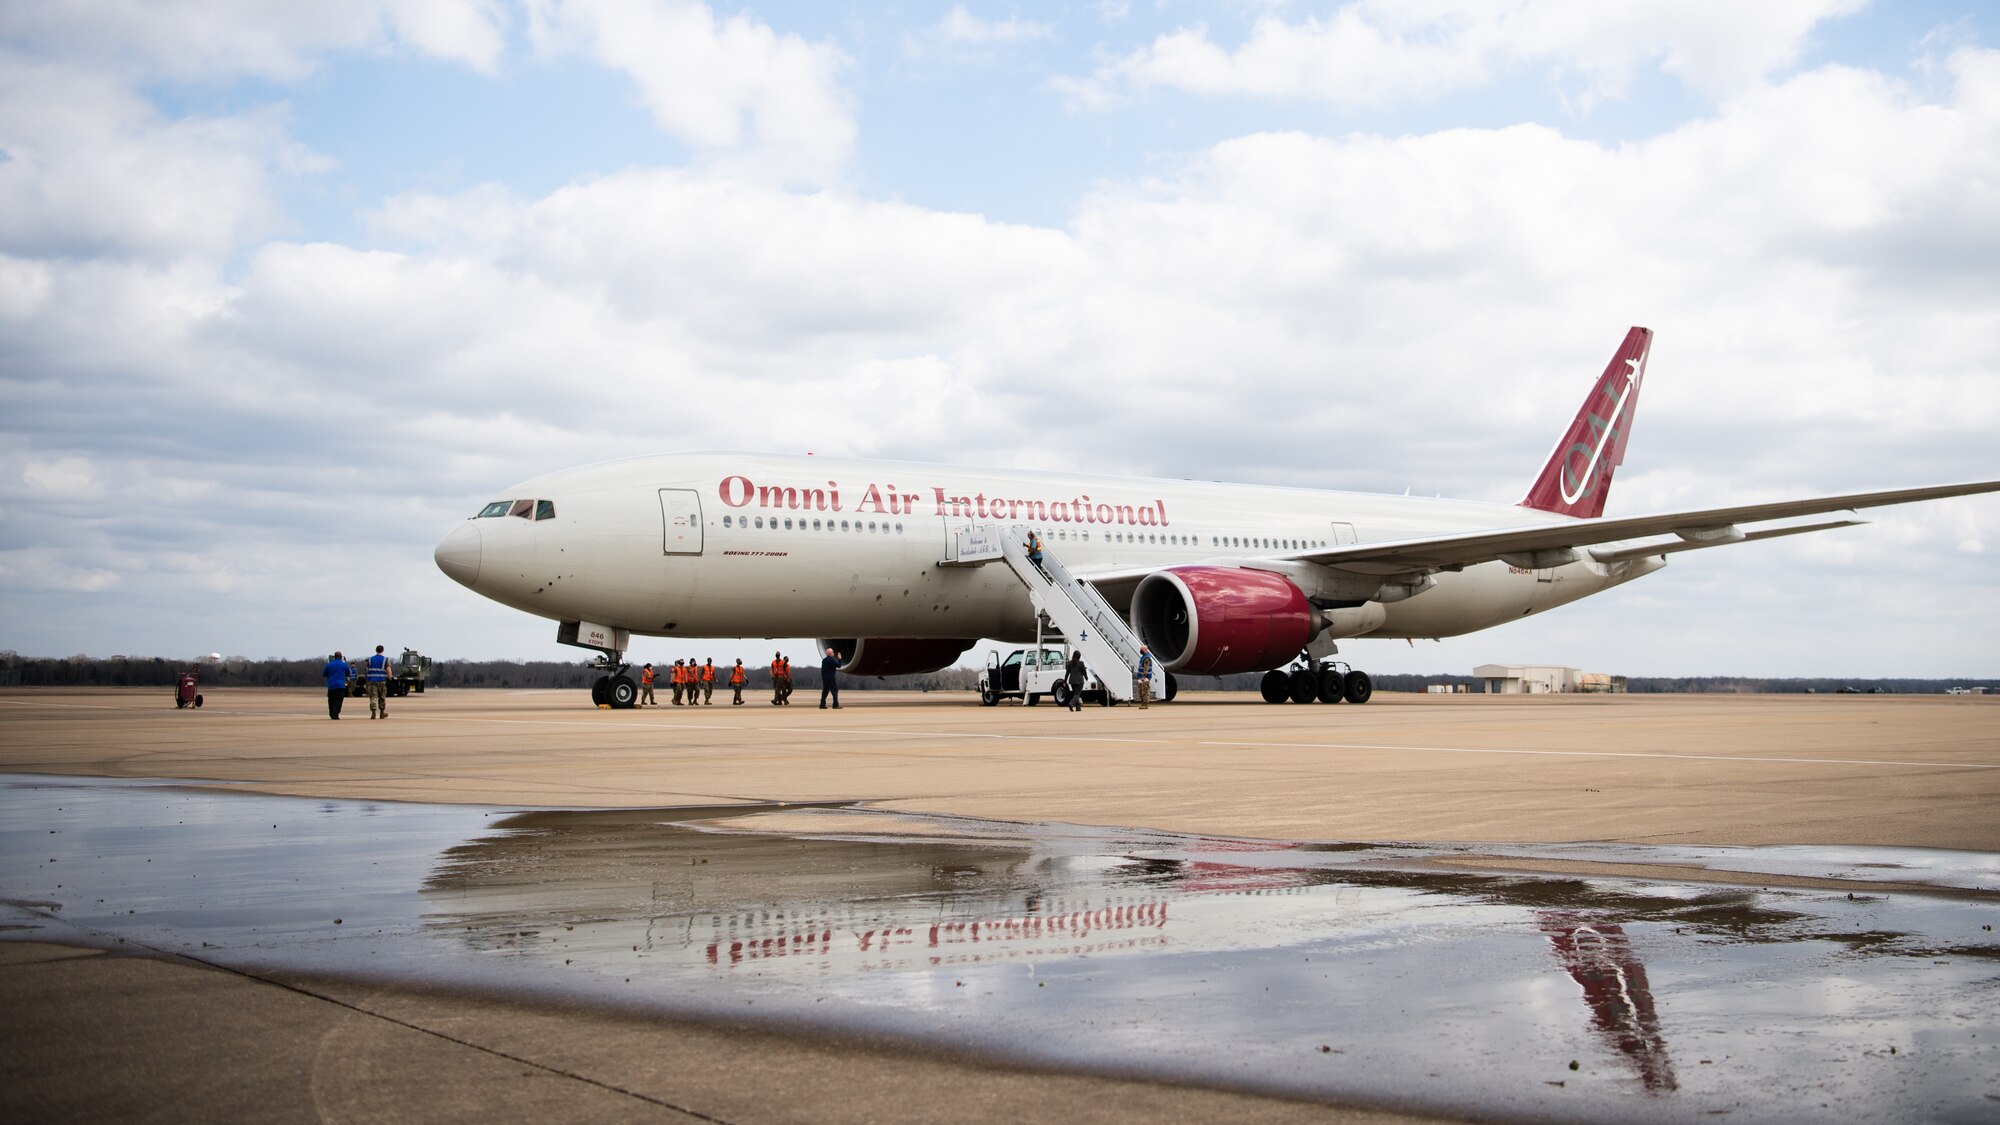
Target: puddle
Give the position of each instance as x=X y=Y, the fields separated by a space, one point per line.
x=1346 y=971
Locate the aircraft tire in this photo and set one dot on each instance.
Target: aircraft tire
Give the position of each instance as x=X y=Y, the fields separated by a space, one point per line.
x=622 y=693
x=1275 y=687
x=1330 y=685
x=1303 y=685
x=1358 y=687
x=599 y=691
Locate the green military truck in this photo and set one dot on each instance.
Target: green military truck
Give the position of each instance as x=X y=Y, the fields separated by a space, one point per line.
x=407 y=673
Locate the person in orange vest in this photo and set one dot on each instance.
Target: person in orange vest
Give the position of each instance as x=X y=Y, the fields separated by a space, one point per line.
x=736 y=679
x=646 y=687
x=708 y=682
x=679 y=681
x=781 y=677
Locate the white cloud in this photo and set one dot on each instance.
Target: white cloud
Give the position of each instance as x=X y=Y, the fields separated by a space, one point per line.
x=90 y=167
x=746 y=96
x=960 y=32
x=1382 y=52
x=207 y=40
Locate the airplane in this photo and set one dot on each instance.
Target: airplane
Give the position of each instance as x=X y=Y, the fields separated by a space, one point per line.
x=893 y=562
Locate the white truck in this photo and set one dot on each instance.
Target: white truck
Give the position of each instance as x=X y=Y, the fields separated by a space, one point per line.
x=1027 y=674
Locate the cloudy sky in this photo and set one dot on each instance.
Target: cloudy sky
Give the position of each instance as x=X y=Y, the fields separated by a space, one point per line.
x=287 y=289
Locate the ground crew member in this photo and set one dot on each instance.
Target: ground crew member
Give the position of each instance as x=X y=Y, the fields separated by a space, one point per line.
x=1035 y=551
x=1142 y=680
x=680 y=682
x=378 y=685
x=736 y=679
x=708 y=682
x=781 y=679
x=646 y=687
x=336 y=672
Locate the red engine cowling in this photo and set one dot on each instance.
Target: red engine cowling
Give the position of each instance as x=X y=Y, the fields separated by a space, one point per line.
x=1215 y=620
x=894 y=656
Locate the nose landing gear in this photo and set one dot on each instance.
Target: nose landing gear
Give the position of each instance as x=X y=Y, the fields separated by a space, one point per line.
x=616 y=688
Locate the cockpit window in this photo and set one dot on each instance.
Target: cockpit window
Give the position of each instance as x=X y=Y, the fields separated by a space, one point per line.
x=496 y=508
x=523 y=508
x=545 y=509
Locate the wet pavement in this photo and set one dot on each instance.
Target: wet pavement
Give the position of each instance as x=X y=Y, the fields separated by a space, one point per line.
x=1373 y=973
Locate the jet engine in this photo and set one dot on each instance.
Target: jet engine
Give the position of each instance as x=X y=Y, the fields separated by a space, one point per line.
x=894 y=656
x=1214 y=620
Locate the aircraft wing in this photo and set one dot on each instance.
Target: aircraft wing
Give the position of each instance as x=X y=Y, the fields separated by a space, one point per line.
x=1552 y=544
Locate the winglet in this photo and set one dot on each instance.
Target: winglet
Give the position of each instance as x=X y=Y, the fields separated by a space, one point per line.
x=1577 y=477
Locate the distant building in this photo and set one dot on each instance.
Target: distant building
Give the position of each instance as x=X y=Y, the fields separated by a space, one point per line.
x=1544 y=679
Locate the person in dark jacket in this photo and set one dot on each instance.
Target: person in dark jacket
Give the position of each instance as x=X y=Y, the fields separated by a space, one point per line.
x=829 y=679
x=336 y=684
x=1076 y=674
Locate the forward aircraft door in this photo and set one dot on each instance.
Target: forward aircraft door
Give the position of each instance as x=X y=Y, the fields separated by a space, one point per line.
x=680 y=516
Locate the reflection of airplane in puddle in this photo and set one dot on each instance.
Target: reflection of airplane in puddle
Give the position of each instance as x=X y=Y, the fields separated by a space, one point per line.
x=1601 y=959
x=888 y=939
x=1596 y=953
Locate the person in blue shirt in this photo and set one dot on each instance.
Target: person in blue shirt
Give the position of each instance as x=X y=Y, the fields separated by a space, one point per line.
x=378 y=685
x=336 y=684
x=1142 y=680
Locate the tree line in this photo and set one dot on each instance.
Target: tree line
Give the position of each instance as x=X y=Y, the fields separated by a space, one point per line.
x=236 y=671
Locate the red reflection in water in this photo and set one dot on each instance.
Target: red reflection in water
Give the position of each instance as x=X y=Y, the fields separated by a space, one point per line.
x=1600 y=958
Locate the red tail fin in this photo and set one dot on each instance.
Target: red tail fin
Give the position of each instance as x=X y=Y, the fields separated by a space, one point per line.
x=1577 y=477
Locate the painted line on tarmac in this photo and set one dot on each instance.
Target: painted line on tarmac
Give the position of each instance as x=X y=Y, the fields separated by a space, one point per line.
x=1001 y=737
x=1605 y=754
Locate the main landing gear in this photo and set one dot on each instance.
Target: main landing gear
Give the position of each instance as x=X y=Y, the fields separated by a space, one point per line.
x=1328 y=681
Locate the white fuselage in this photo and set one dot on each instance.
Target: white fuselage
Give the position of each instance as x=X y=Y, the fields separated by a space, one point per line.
x=758 y=545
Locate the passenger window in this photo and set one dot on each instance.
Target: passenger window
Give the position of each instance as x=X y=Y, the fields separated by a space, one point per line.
x=725 y=521
x=496 y=508
x=788 y=523
x=760 y=521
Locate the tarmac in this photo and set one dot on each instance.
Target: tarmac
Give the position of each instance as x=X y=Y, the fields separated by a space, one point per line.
x=170 y=1037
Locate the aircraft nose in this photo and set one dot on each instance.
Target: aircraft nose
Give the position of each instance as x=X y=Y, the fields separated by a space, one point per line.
x=458 y=553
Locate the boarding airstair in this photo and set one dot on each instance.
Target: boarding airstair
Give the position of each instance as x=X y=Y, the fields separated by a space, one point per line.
x=1110 y=649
